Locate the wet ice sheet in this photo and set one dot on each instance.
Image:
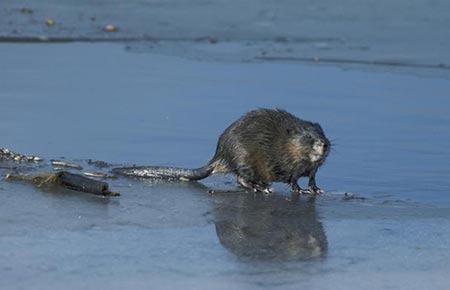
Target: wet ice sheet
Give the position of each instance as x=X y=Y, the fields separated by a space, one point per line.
x=100 y=101
x=167 y=235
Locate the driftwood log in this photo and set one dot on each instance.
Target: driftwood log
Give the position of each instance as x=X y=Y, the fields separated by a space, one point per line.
x=58 y=179
x=67 y=180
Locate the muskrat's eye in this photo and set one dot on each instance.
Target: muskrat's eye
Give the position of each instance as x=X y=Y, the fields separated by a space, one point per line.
x=308 y=136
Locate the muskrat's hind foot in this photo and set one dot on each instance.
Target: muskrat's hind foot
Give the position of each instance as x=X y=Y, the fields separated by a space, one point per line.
x=253 y=186
x=244 y=183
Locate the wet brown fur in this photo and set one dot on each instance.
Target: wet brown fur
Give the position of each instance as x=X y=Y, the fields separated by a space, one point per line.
x=266 y=146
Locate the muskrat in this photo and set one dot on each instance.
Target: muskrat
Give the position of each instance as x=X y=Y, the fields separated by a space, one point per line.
x=261 y=147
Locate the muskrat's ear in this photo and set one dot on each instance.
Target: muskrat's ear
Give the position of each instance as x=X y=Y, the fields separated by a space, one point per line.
x=319 y=128
x=291 y=130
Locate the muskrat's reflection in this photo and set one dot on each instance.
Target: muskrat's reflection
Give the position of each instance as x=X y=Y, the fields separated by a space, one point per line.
x=269 y=227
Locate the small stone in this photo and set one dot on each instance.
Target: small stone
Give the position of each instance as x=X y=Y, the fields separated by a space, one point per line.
x=213 y=40
x=17 y=158
x=26 y=10
x=110 y=28
x=37 y=158
x=50 y=22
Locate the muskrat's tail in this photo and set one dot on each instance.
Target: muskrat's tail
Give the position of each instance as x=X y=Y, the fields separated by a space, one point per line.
x=165 y=172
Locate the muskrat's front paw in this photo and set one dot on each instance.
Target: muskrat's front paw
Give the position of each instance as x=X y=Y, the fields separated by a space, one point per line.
x=315 y=190
x=305 y=191
x=301 y=190
x=310 y=191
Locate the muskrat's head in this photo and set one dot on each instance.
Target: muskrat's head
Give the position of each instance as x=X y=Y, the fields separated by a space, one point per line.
x=309 y=142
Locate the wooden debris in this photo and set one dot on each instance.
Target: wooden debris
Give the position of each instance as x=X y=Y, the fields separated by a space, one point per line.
x=66 y=164
x=96 y=174
x=67 y=180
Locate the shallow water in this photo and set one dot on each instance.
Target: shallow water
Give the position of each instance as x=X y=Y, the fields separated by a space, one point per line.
x=102 y=101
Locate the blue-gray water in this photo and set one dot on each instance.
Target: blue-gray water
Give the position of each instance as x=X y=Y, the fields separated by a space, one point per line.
x=159 y=103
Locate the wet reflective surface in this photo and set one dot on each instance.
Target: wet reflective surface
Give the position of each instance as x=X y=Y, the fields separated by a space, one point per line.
x=270 y=228
x=166 y=103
